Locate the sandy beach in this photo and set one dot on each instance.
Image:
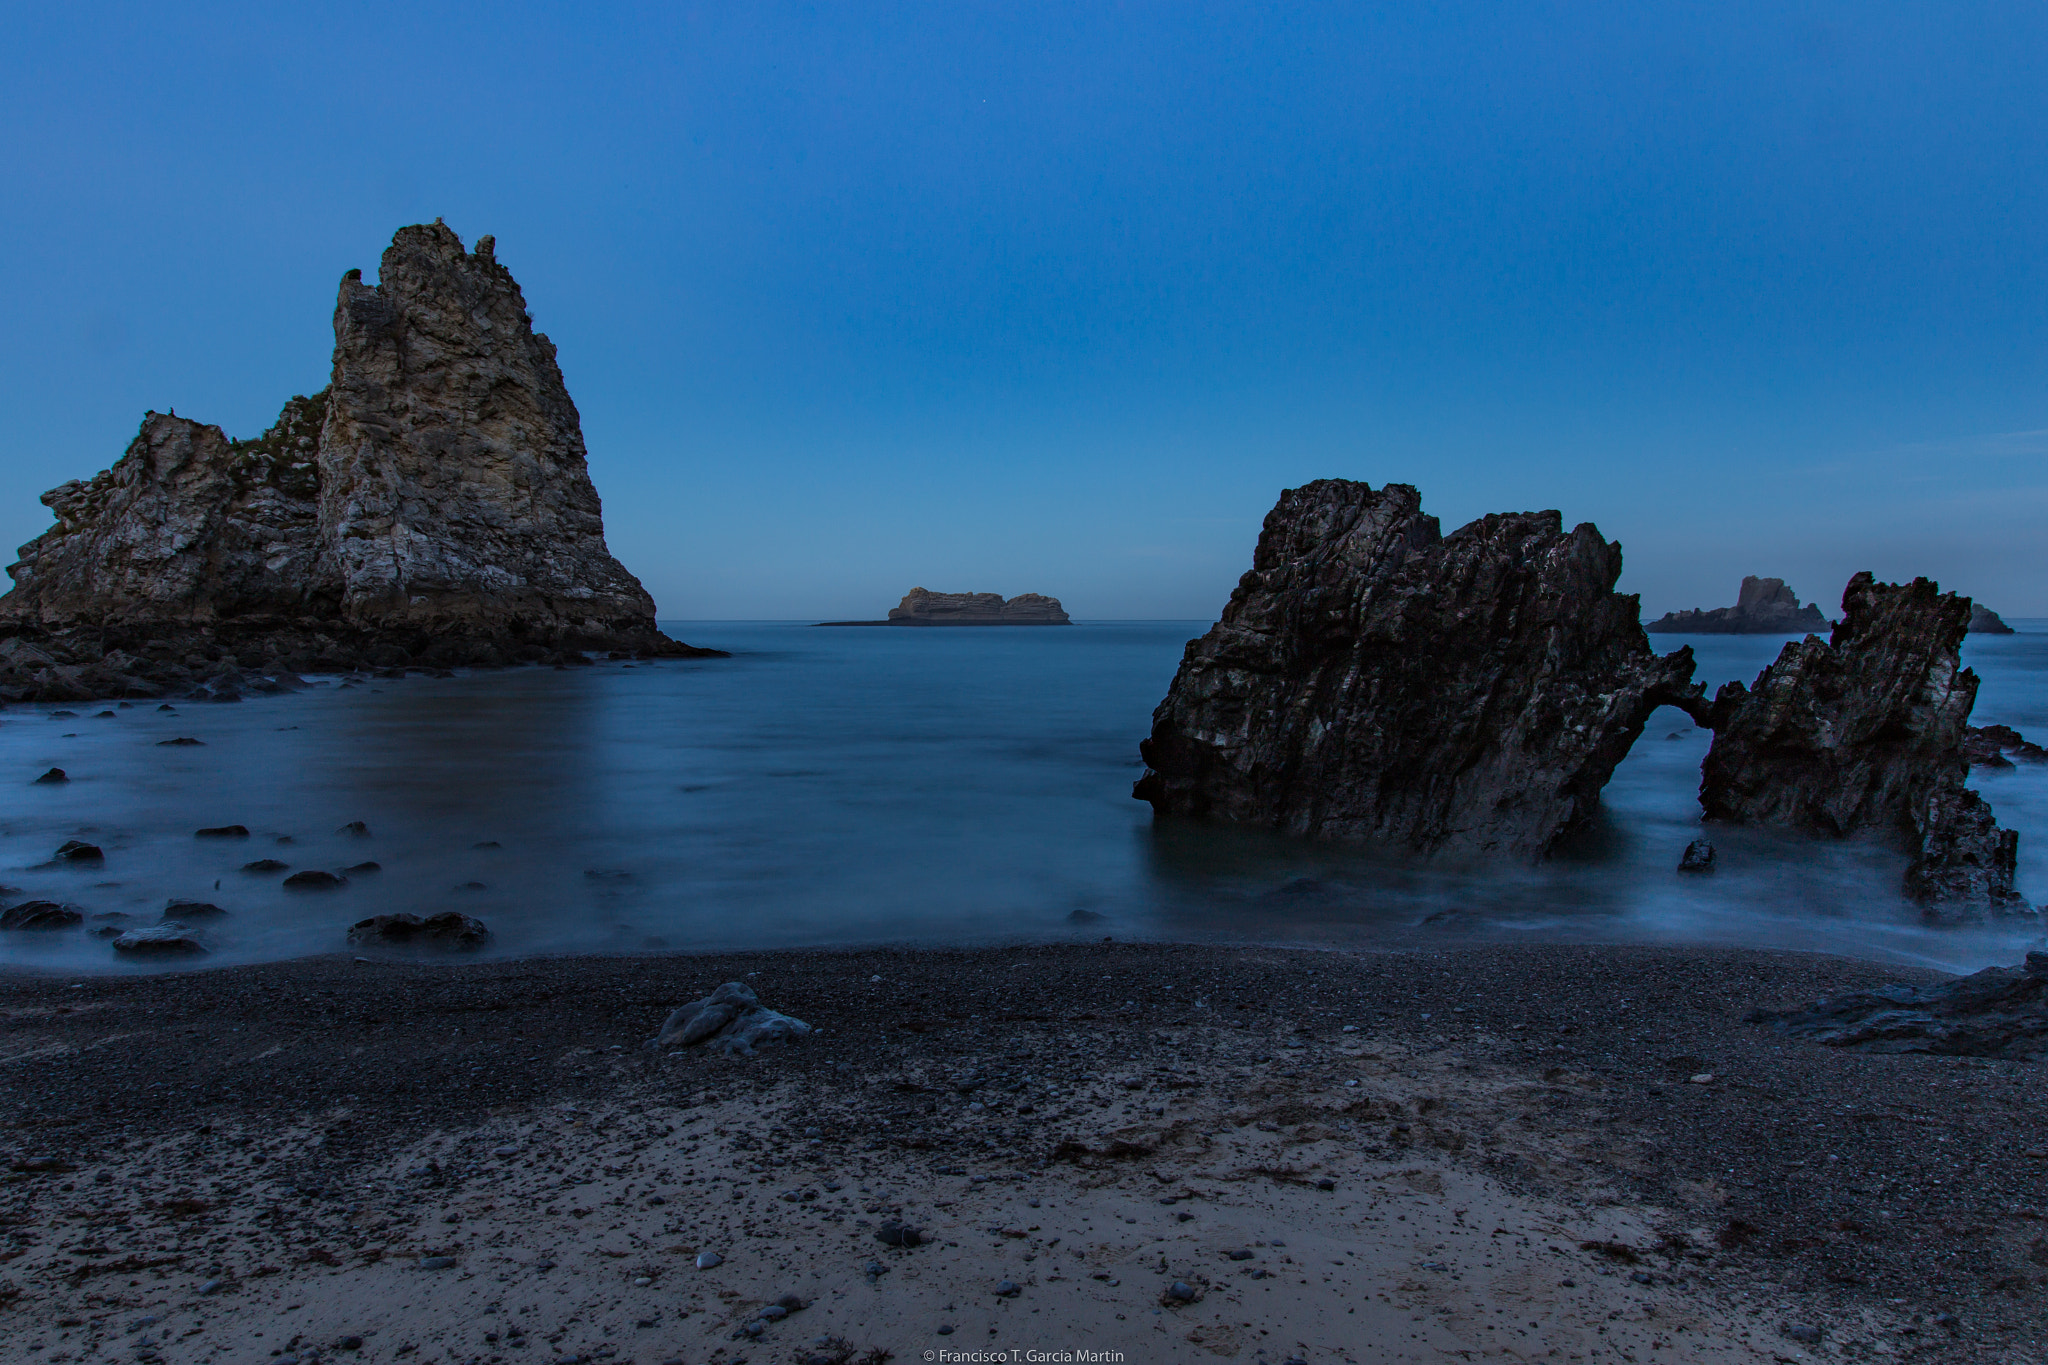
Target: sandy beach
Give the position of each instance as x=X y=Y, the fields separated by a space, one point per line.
x=1145 y=1152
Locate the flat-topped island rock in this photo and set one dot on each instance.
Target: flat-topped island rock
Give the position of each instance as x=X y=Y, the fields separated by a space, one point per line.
x=922 y=607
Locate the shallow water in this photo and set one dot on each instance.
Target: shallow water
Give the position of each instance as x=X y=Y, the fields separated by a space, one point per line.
x=827 y=787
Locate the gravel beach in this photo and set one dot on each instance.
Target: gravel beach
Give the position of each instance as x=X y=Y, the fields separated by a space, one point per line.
x=1143 y=1151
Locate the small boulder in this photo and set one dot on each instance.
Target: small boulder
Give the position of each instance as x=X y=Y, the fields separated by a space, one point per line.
x=222 y=832
x=314 y=879
x=170 y=939
x=40 y=915
x=187 y=911
x=448 y=929
x=52 y=778
x=730 y=1019
x=78 y=851
x=899 y=1235
x=1698 y=857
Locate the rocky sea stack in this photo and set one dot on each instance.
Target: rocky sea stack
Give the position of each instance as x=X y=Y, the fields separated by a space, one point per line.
x=1765 y=606
x=1376 y=681
x=1865 y=732
x=431 y=506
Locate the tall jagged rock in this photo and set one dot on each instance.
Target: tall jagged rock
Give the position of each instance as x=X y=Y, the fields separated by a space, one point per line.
x=1763 y=606
x=1375 y=681
x=1864 y=733
x=432 y=504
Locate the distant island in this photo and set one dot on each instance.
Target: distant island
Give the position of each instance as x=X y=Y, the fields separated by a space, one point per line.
x=924 y=608
x=1765 y=606
x=1984 y=621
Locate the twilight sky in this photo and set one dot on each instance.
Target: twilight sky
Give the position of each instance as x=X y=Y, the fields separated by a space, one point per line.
x=1057 y=297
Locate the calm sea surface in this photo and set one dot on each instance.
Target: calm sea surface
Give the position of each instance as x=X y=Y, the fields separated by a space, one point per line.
x=846 y=786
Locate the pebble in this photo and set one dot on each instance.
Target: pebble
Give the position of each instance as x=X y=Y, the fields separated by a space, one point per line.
x=774 y=1312
x=1181 y=1290
x=707 y=1260
x=1704 y=1078
x=946 y=1331
x=211 y=1286
x=898 y=1235
x=1007 y=1290
x=436 y=1262
x=1241 y=1254
x=642 y=1281
x=1805 y=1333
x=504 y=1151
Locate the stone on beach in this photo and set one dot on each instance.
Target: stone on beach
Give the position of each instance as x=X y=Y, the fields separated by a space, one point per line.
x=314 y=879
x=40 y=915
x=449 y=929
x=187 y=911
x=731 y=1019
x=1998 y=1012
x=169 y=939
x=78 y=851
x=1698 y=857
x=52 y=778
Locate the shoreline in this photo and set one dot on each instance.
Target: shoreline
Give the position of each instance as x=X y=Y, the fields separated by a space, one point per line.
x=307 y=1136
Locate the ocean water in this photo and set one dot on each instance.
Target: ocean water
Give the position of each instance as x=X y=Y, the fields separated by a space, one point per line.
x=854 y=786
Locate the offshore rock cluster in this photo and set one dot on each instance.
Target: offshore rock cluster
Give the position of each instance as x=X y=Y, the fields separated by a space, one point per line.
x=430 y=507
x=1468 y=695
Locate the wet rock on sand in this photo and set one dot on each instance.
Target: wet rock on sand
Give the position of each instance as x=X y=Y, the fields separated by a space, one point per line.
x=448 y=929
x=40 y=915
x=169 y=939
x=1998 y=1012
x=730 y=1019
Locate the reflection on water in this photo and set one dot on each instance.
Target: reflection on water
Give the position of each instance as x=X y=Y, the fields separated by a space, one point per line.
x=853 y=786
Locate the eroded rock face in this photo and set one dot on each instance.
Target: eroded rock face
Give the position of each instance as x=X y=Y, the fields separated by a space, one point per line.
x=1765 y=606
x=1375 y=681
x=922 y=608
x=431 y=506
x=1865 y=733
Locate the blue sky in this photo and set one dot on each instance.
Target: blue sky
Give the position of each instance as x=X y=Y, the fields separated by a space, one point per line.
x=1058 y=297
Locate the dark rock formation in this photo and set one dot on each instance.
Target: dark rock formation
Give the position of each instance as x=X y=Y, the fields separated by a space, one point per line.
x=1995 y=746
x=222 y=832
x=314 y=880
x=730 y=1019
x=1374 y=680
x=1765 y=606
x=1998 y=1012
x=445 y=930
x=40 y=915
x=1984 y=621
x=78 y=851
x=1864 y=733
x=922 y=608
x=266 y=865
x=53 y=778
x=1964 y=865
x=431 y=505
x=1697 y=858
